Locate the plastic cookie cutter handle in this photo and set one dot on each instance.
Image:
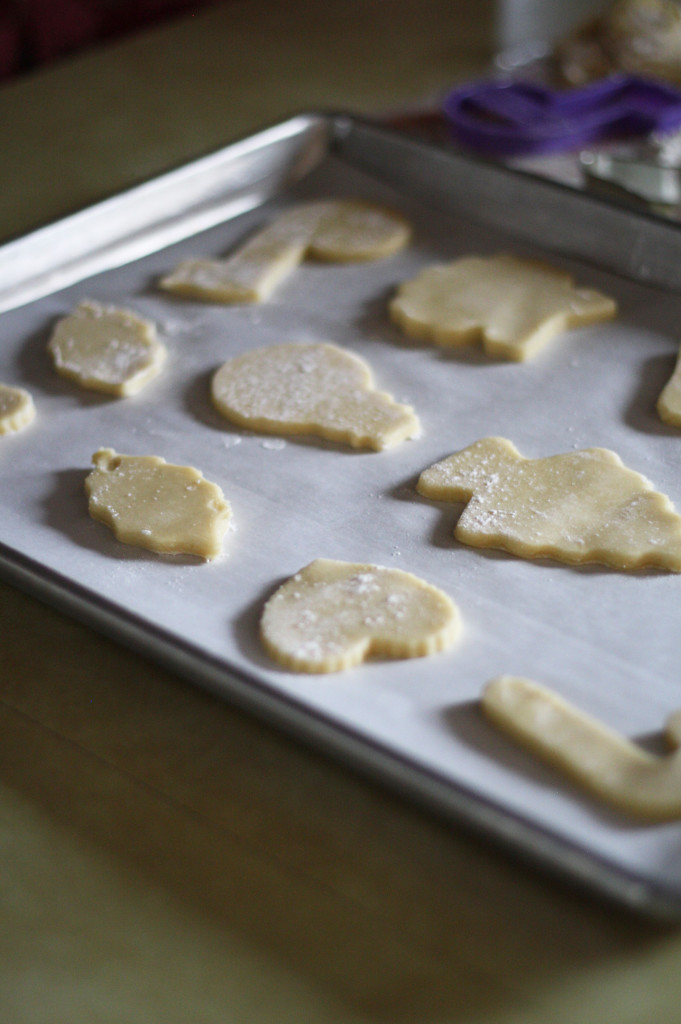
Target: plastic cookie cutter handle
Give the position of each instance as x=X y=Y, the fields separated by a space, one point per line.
x=499 y=117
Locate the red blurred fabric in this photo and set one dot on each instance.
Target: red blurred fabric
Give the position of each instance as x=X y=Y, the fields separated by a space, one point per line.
x=10 y=40
x=35 y=32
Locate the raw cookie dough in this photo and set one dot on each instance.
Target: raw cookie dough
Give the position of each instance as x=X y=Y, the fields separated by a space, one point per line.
x=153 y=504
x=310 y=388
x=16 y=409
x=332 y=615
x=341 y=230
x=585 y=506
x=515 y=306
x=352 y=231
x=669 y=402
x=106 y=349
x=599 y=759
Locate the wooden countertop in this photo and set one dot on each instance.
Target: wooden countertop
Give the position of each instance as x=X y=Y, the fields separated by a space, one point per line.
x=166 y=858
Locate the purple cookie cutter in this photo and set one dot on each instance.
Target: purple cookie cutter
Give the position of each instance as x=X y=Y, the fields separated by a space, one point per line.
x=502 y=117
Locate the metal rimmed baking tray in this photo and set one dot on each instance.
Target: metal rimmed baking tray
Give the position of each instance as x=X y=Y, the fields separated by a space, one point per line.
x=605 y=640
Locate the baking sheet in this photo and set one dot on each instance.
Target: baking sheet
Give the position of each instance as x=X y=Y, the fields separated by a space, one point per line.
x=607 y=641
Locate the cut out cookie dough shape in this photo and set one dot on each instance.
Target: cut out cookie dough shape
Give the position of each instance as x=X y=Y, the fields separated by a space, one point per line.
x=343 y=231
x=514 y=306
x=669 y=402
x=16 y=409
x=332 y=615
x=310 y=388
x=156 y=505
x=602 y=761
x=103 y=348
x=584 y=506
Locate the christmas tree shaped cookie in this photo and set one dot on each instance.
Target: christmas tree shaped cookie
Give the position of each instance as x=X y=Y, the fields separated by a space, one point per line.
x=584 y=506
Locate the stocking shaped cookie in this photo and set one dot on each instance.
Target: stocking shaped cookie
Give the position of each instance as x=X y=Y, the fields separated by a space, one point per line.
x=332 y=615
x=310 y=388
x=603 y=762
x=584 y=506
x=342 y=230
x=514 y=306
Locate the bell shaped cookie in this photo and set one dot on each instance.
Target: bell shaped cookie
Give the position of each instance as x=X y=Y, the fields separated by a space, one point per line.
x=311 y=388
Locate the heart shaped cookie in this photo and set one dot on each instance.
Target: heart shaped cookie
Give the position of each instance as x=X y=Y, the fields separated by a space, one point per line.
x=332 y=615
x=310 y=388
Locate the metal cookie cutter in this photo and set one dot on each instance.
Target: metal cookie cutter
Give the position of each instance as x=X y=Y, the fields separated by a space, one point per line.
x=650 y=171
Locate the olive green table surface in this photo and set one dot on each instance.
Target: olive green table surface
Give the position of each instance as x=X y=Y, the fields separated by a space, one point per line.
x=164 y=857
